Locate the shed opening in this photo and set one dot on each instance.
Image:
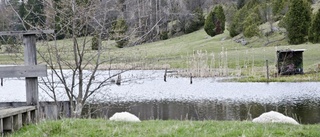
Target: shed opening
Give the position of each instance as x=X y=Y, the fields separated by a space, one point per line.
x=290 y=62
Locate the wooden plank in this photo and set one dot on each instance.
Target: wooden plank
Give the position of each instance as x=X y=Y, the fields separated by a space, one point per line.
x=17 y=121
x=1 y=126
x=30 y=58
x=14 y=111
x=23 y=71
x=8 y=124
x=26 y=118
x=29 y=32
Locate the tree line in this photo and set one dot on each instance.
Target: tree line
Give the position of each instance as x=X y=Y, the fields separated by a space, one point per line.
x=295 y=16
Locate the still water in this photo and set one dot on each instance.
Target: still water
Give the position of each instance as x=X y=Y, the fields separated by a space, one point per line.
x=146 y=94
x=306 y=112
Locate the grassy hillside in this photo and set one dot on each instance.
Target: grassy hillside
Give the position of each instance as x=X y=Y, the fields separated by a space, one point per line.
x=102 y=128
x=195 y=53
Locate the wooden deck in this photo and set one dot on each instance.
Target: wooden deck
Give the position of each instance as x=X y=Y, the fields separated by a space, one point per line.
x=12 y=119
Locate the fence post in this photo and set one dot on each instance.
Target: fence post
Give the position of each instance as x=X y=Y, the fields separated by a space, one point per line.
x=267 y=65
x=30 y=58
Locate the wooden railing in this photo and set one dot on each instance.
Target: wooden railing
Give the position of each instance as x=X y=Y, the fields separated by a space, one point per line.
x=12 y=119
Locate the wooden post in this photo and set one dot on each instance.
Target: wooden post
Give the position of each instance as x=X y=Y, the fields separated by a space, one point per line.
x=30 y=58
x=165 y=76
x=267 y=65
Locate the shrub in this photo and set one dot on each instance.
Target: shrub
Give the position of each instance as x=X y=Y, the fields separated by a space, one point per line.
x=119 y=29
x=164 y=35
x=95 y=42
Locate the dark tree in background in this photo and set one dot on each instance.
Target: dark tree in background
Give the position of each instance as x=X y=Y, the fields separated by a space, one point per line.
x=209 y=24
x=215 y=22
x=298 y=20
x=240 y=4
x=35 y=16
x=221 y=19
x=314 y=30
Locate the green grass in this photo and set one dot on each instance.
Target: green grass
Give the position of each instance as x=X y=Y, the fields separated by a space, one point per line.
x=192 y=52
x=102 y=128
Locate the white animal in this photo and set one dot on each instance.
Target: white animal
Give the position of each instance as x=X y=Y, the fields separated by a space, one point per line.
x=274 y=117
x=124 y=116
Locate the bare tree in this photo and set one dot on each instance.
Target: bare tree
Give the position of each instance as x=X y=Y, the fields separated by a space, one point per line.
x=79 y=83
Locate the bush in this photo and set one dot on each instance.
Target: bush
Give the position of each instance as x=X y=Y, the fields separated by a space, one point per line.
x=122 y=42
x=164 y=35
x=95 y=42
x=118 y=32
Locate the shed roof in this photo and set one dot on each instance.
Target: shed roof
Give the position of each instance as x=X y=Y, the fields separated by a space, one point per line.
x=291 y=50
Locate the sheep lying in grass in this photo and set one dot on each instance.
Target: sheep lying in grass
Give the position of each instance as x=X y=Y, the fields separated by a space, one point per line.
x=274 y=117
x=124 y=116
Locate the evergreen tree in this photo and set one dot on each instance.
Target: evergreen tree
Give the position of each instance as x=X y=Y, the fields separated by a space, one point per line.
x=119 y=29
x=209 y=25
x=298 y=20
x=215 y=22
x=251 y=25
x=236 y=26
x=36 y=17
x=314 y=30
x=220 y=24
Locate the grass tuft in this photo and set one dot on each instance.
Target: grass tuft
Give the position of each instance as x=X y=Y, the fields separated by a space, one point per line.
x=100 y=127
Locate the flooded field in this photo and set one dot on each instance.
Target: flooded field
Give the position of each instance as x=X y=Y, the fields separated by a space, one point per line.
x=145 y=94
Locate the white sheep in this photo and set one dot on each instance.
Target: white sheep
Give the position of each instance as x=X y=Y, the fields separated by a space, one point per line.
x=274 y=117
x=124 y=116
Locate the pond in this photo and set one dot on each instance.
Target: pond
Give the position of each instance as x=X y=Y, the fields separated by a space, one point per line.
x=146 y=94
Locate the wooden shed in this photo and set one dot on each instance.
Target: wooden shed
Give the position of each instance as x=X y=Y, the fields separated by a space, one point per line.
x=290 y=62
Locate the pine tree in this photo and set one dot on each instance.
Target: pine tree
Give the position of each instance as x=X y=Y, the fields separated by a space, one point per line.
x=314 y=30
x=298 y=20
x=36 y=18
x=220 y=24
x=251 y=25
x=209 y=25
x=215 y=22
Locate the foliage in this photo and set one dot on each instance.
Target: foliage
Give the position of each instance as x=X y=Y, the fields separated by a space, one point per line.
x=95 y=42
x=298 y=21
x=236 y=26
x=172 y=128
x=35 y=16
x=240 y=4
x=251 y=24
x=314 y=30
x=119 y=29
x=59 y=20
x=215 y=22
x=164 y=35
x=196 y=23
x=209 y=24
x=279 y=8
x=221 y=19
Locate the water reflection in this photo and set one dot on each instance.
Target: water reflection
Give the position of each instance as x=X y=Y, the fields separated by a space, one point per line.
x=306 y=111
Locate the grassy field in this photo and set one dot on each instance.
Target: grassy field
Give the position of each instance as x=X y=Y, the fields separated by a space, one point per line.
x=103 y=128
x=196 y=53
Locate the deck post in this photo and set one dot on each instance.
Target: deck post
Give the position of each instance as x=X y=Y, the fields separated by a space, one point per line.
x=30 y=58
x=17 y=121
x=1 y=127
